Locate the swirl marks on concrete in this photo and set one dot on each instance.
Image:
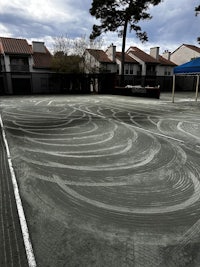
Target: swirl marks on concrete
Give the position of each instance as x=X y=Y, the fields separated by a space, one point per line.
x=110 y=159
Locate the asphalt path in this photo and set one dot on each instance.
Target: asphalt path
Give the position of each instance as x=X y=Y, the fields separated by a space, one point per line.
x=124 y=167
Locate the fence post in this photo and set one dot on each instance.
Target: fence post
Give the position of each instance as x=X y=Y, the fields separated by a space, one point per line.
x=173 y=88
x=197 y=88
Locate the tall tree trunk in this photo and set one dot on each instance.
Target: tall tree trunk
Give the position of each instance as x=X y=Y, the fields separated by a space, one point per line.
x=123 y=51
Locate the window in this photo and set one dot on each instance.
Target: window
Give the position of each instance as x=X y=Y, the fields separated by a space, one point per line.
x=126 y=69
x=19 y=64
x=167 y=71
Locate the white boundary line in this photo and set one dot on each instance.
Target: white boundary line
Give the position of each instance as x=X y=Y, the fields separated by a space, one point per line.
x=22 y=219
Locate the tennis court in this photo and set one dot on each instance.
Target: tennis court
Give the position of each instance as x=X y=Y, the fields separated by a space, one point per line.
x=108 y=180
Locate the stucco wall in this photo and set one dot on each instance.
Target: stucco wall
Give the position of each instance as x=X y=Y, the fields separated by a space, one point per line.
x=183 y=54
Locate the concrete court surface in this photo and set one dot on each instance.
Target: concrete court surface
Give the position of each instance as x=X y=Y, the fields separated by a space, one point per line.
x=108 y=180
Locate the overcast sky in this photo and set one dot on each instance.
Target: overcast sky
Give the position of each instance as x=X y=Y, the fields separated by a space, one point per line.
x=174 y=22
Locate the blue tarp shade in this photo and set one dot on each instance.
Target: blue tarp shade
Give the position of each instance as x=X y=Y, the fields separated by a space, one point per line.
x=189 y=67
x=192 y=68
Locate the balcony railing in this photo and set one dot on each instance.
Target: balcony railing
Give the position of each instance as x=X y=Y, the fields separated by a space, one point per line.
x=19 y=68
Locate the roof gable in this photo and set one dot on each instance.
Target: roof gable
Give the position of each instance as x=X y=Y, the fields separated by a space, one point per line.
x=191 y=47
x=128 y=59
x=14 y=46
x=141 y=55
x=166 y=62
x=99 y=55
x=42 y=60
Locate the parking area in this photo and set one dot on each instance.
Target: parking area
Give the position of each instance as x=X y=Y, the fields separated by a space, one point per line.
x=108 y=180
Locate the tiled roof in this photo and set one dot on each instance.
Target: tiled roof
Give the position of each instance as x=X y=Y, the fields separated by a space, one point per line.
x=141 y=55
x=99 y=55
x=149 y=59
x=42 y=60
x=166 y=62
x=128 y=59
x=14 y=46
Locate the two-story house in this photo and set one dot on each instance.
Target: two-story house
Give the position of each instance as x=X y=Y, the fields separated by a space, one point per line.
x=131 y=66
x=148 y=63
x=15 y=63
x=181 y=55
x=40 y=67
x=166 y=66
x=152 y=64
x=18 y=61
x=140 y=67
x=154 y=69
x=98 y=61
x=184 y=53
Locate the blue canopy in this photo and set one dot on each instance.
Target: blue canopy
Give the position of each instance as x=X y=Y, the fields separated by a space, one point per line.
x=190 y=67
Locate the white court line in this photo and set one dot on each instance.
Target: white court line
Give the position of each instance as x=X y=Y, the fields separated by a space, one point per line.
x=22 y=219
x=159 y=134
x=133 y=126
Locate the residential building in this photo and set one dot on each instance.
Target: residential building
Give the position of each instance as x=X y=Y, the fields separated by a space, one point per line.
x=41 y=57
x=131 y=66
x=165 y=67
x=18 y=61
x=140 y=67
x=137 y=62
x=148 y=63
x=98 y=61
x=185 y=53
x=15 y=55
x=151 y=64
x=40 y=67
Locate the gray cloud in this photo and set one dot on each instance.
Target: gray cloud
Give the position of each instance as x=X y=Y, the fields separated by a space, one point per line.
x=173 y=22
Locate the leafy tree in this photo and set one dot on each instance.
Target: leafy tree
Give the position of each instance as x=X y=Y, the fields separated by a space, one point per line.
x=118 y=15
x=62 y=62
x=69 y=53
x=197 y=10
x=64 y=59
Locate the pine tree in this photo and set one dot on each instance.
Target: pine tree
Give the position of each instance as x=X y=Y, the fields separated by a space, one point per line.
x=197 y=11
x=118 y=15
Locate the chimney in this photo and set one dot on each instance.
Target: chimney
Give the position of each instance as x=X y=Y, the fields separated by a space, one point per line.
x=38 y=47
x=154 y=52
x=166 y=54
x=111 y=52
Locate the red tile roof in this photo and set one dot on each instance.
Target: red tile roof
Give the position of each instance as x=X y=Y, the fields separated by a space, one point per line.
x=14 y=46
x=42 y=60
x=149 y=59
x=165 y=62
x=128 y=59
x=99 y=55
x=141 y=55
